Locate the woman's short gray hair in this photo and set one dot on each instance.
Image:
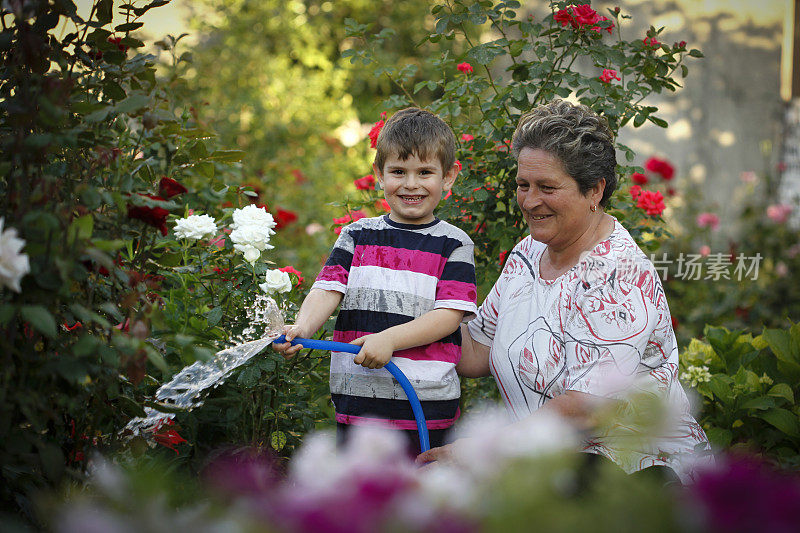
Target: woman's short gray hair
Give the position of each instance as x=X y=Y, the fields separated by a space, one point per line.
x=578 y=136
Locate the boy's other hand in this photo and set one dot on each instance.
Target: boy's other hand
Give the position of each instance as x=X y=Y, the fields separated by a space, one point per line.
x=376 y=351
x=291 y=331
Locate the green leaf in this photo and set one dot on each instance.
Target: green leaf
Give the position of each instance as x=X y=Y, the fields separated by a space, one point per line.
x=761 y=403
x=226 y=156
x=720 y=437
x=104 y=11
x=277 y=440
x=130 y=407
x=40 y=318
x=695 y=53
x=6 y=313
x=214 y=316
x=80 y=229
x=782 y=390
x=133 y=103
x=784 y=420
x=128 y=26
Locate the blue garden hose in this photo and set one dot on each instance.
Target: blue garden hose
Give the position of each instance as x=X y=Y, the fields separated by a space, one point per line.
x=411 y=394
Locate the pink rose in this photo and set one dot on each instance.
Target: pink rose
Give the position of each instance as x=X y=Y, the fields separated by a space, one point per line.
x=708 y=220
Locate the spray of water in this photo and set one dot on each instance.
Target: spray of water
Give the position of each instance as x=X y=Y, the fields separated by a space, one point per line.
x=183 y=391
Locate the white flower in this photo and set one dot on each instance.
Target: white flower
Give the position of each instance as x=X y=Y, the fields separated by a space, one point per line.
x=195 y=227
x=252 y=215
x=255 y=236
x=13 y=264
x=695 y=375
x=251 y=253
x=276 y=281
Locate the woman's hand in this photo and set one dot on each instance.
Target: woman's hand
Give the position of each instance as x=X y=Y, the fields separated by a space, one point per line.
x=376 y=350
x=446 y=454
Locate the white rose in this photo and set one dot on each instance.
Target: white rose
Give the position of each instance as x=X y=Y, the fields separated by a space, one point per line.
x=195 y=227
x=276 y=281
x=13 y=264
x=255 y=236
x=251 y=253
x=252 y=215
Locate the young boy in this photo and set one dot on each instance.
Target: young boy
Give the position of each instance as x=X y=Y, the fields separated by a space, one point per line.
x=405 y=282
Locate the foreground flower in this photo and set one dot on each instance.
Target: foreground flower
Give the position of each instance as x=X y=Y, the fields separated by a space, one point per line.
x=367 y=183
x=252 y=215
x=376 y=130
x=168 y=438
x=168 y=187
x=651 y=42
x=635 y=191
x=580 y=16
x=153 y=216
x=195 y=227
x=661 y=167
x=466 y=68
x=608 y=75
x=652 y=202
x=276 y=281
x=708 y=220
x=779 y=213
x=466 y=137
x=13 y=264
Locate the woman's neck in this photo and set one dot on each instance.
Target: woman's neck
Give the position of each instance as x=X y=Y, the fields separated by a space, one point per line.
x=557 y=261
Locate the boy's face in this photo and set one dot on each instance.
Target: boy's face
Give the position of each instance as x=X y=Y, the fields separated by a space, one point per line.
x=414 y=187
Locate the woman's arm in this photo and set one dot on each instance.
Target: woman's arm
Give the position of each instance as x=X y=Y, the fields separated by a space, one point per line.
x=474 y=361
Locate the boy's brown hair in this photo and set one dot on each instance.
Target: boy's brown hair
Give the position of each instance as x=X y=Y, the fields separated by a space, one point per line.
x=414 y=131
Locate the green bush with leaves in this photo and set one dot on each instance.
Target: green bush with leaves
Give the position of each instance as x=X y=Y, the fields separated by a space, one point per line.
x=485 y=86
x=749 y=389
x=99 y=154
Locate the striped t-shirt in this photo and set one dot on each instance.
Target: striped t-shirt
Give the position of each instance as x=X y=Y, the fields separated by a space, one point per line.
x=390 y=274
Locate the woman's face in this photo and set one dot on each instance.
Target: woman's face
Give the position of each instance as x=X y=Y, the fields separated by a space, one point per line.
x=555 y=210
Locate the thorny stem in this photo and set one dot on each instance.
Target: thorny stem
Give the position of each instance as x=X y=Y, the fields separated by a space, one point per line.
x=556 y=64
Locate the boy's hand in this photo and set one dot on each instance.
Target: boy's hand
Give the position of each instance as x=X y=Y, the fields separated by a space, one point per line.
x=376 y=350
x=291 y=331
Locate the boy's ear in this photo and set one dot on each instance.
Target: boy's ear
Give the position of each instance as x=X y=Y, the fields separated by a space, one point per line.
x=450 y=177
x=378 y=174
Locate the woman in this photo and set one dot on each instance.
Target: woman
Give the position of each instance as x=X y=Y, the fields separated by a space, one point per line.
x=578 y=320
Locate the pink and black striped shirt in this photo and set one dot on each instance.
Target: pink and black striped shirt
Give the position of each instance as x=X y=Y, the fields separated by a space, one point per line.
x=390 y=274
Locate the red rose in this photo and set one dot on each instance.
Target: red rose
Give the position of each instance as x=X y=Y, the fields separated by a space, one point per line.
x=283 y=218
x=651 y=202
x=367 y=183
x=457 y=163
x=563 y=16
x=661 y=167
x=585 y=15
x=348 y=218
x=503 y=256
x=291 y=270
x=466 y=68
x=118 y=42
x=639 y=178
x=168 y=187
x=674 y=323
x=635 y=191
x=466 y=137
x=153 y=216
x=651 y=42
x=375 y=131
x=608 y=75
x=598 y=29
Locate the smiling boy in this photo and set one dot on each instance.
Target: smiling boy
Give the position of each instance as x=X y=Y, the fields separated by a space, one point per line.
x=405 y=282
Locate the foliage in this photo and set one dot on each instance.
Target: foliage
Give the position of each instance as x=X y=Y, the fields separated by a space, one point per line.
x=99 y=155
x=516 y=65
x=761 y=237
x=749 y=390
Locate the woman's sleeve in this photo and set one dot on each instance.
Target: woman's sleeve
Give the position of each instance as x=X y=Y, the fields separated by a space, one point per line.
x=483 y=327
x=335 y=272
x=456 y=288
x=617 y=340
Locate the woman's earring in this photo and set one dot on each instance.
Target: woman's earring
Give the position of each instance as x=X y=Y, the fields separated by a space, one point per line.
x=593 y=208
